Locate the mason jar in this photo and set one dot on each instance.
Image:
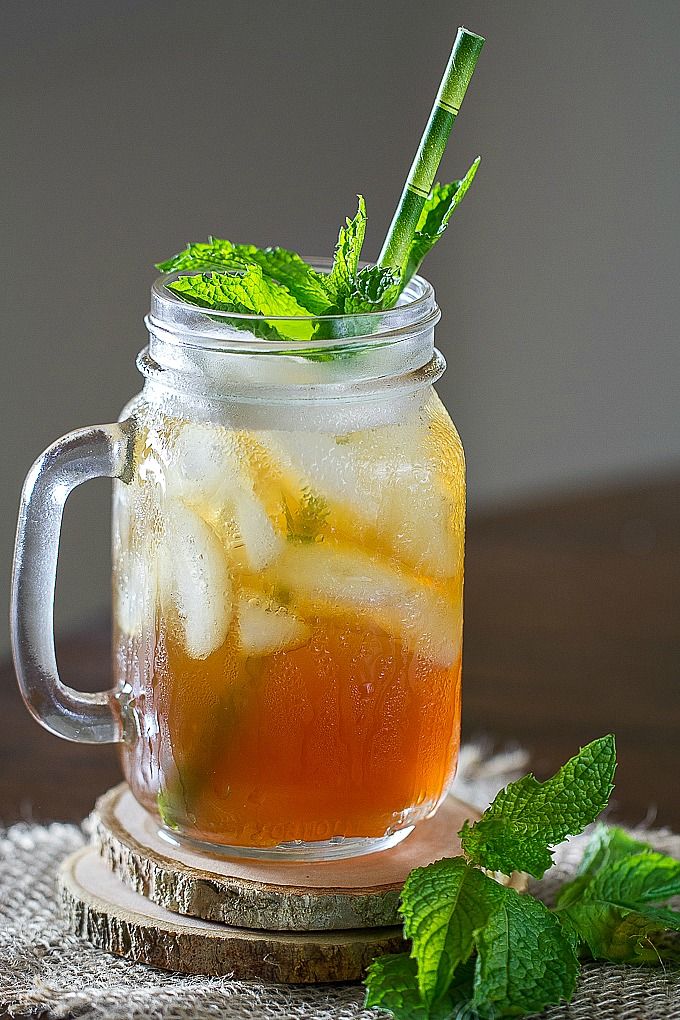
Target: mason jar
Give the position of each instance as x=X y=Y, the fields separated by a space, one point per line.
x=288 y=531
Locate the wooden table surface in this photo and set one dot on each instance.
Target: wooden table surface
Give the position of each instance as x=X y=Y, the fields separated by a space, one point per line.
x=572 y=630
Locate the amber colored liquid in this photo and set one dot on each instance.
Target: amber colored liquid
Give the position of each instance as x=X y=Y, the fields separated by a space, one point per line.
x=338 y=737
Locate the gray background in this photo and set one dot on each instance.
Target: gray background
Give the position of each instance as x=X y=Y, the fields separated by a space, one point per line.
x=130 y=128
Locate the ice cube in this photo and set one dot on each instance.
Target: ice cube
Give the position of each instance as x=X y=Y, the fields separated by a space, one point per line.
x=421 y=525
x=209 y=470
x=422 y=512
x=261 y=542
x=193 y=577
x=343 y=580
x=265 y=627
x=202 y=464
x=329 y=466
x=241 y=368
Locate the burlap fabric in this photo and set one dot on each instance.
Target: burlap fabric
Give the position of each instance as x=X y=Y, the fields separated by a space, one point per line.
x=45 y=971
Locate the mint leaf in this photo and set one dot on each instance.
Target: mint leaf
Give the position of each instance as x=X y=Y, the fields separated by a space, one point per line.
x=375 y=289
x=285 y=267
x=167 y=807
x=444 y=905
x=392 y=984
x=342 y=278
x=620 y=934
x=220 y=293
x=307 y=522
x=609 y=907
x=606 y=845
x=646 y=877
x=443 y=201
x=246 y=291
x=247 y=287
x=524 y=961
x=293 y=273
x=209 y=255
x=528 y=817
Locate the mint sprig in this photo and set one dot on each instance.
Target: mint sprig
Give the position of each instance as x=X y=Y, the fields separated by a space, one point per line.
x=342 y=278
x=278 y=282
x=479 y=949
x=528 y=817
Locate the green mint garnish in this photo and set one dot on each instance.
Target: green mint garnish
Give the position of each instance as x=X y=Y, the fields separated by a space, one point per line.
x=284 y=267
x=246 y=290
x=482 y=950
x=523 y=959
x=247 y=287
x=292 y=272
x=611 y=909
x=277 y=282
x=606 y=846
x=392 y=984
x=374 y=289
x=451 y=908
x=528 y=817
x=167 y=808
x=210 y=255
x=342 y=278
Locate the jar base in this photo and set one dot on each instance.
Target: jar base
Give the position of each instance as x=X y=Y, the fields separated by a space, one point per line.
x=336 y=849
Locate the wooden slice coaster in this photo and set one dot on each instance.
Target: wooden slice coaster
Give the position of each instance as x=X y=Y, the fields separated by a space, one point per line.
x=99 y=908
x=361 y=892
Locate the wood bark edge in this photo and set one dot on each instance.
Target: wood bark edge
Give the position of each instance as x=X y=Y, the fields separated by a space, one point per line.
x=291 y=958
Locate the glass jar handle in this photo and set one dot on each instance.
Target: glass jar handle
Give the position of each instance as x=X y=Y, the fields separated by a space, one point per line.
x=99 y=451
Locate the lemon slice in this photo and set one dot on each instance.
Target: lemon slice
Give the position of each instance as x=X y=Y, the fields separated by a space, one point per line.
x=392 y=485
x=341 y=580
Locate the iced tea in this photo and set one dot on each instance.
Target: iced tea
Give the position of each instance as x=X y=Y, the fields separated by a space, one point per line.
x=288 y=610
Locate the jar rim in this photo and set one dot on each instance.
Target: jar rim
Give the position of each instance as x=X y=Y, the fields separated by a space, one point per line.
x=416 y=309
